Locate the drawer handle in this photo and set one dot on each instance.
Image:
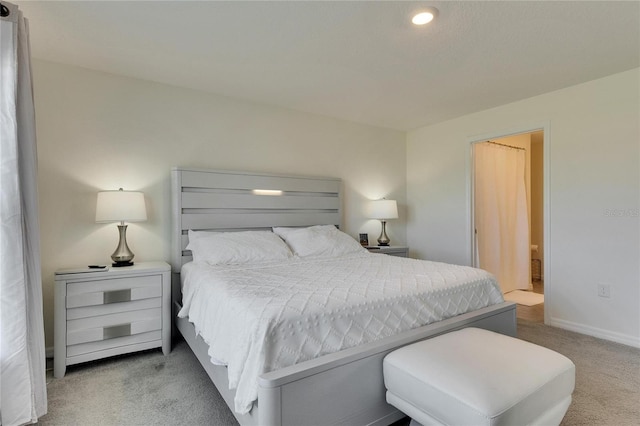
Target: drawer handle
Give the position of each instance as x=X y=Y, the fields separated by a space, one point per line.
x=116 y=331
x=116 y=296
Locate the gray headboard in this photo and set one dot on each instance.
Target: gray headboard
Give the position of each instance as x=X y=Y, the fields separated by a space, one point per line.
x=219 y=200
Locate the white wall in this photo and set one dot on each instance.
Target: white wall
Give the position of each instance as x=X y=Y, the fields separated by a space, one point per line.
x=594 y=196
x=99 y=131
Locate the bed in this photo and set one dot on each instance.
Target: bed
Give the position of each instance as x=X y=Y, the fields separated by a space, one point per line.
x=343 y=387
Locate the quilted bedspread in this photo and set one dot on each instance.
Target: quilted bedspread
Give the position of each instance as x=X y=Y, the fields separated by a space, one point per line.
x=260 y=318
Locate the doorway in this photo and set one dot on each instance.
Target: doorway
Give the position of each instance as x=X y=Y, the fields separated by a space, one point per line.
x=507 y=216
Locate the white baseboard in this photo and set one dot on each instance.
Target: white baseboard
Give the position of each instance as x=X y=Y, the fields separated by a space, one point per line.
x=624 y=339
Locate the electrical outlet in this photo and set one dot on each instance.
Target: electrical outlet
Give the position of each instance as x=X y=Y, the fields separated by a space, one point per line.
x=604 y=290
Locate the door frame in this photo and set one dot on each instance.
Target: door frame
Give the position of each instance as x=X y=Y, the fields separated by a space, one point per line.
x=471 y=141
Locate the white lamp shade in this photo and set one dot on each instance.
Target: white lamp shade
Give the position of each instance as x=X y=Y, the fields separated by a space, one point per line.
x=383 y=209
x=120 y=206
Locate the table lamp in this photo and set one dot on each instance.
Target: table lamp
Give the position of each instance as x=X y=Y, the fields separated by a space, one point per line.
x=121 y=206
x=383 y=210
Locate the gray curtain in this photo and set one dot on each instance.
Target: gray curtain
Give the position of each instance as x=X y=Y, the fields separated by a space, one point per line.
x=23 y=393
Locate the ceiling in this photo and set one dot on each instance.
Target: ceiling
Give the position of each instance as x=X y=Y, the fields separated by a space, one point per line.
x=361 y=61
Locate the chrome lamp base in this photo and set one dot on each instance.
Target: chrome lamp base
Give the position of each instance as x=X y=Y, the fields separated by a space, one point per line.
x=123 y=256
x=383 y=239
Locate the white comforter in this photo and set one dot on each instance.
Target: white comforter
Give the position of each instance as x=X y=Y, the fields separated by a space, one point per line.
x=260 y=318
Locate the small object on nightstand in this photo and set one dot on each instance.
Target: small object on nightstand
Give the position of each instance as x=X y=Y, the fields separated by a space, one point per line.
x=364 y=239
x=89 y=269
x=97 y=266
x=101 y=312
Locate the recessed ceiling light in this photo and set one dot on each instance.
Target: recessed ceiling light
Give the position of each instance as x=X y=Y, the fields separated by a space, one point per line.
x=425 y=16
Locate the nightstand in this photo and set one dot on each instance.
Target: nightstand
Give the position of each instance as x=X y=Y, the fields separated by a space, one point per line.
x=399 y=251
x=101 y=313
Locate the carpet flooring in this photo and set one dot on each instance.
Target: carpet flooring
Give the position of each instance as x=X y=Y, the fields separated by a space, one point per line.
x=607 y=389
x=148 y=388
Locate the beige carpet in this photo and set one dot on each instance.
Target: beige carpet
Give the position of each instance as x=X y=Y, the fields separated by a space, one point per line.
x=139 y=389
x=148 y=388
x=527 y=298
x=607 y=375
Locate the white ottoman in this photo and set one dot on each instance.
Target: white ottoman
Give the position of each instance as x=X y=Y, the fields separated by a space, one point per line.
x=478 y=377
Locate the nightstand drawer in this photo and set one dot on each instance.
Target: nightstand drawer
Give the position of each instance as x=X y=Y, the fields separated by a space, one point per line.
x=85 y=348
x=113 y=326
x=113 y=308
x=104 y=292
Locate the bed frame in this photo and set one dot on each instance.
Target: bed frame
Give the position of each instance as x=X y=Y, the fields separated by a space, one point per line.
x=343 y=388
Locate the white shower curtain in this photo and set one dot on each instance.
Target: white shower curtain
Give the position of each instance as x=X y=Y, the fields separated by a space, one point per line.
x=501 y=215
x=23 y=393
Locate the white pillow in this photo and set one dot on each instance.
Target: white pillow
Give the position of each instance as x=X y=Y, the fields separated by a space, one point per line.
x=224 y=248
x=319 y=240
